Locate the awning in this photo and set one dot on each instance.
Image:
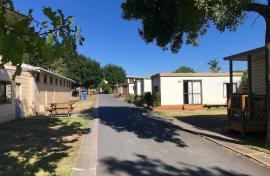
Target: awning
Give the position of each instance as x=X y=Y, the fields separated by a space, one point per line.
x=254 y=53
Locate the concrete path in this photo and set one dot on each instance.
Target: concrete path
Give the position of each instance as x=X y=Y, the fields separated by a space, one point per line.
x=86 y=162
x=131 y=143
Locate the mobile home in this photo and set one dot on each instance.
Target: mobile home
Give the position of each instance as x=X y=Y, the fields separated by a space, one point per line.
x=192 y=91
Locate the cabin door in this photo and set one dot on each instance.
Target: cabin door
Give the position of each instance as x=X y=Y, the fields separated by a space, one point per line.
x=125 y=90
x=18 y=101
x=193 y=92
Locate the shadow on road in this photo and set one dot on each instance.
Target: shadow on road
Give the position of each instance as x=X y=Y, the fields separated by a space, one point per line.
x=145 y=166
x=133 y=119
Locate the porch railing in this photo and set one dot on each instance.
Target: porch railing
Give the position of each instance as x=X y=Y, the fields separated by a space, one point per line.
x=243 y=107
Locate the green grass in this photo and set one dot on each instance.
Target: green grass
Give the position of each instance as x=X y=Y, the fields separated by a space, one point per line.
x=40 y=147
x=196 y=113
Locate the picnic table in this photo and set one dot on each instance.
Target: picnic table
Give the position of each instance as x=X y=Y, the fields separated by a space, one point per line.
x=60 y=109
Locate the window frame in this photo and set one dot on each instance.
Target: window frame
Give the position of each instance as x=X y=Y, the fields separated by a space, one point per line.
x=45 y=79
x=6 y=100
x=51 y=80
x=37 y=77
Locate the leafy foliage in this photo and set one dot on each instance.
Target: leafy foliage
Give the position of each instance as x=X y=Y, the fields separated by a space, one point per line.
x=130 y=98
x=85 y=71
x=184 y=69
x=148 y=98
x=156 y=99
x=170 y=23
x=105 y=87
x=114 y=74
x=22 y=37
x=214 y=66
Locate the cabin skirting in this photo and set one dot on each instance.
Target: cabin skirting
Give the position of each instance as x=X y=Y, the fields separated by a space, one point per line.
x=178 y=107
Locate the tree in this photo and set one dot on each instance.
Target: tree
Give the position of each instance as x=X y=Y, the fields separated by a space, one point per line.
x=170 y=23
x=21 y=36
x=214 y=66
x=114 y=74
x=85 y=71
x=184 y=69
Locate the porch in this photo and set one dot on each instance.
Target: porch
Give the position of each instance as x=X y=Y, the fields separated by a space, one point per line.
x=247 y=107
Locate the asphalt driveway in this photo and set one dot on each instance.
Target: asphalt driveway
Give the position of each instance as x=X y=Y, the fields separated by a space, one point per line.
x=132 y=143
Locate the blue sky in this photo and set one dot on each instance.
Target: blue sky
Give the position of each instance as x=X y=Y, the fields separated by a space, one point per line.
x=110 y=39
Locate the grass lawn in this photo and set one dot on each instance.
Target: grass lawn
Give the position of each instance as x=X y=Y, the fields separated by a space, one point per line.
x=215 y=120
x=198 y=113
x=40 y=147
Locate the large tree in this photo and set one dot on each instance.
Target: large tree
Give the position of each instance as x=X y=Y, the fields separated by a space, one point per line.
x=114 y=74
x=84 y=70
x=22 y=37
x=170 y=23
x=184 y=69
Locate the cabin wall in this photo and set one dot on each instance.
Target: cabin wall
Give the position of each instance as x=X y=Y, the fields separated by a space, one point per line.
x=258 y=76
x=147 y=85
x=172 y=89
x=51 y=92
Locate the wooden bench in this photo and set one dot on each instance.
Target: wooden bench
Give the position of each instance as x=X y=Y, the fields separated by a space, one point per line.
x=60 y=109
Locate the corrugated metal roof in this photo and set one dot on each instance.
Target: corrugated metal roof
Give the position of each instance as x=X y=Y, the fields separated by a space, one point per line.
x=39 y=69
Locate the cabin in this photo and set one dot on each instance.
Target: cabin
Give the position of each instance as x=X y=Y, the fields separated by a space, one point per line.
x=247 y=111
x=128 y=88
x=142 y=86
x=193 y=91
x=31 y=92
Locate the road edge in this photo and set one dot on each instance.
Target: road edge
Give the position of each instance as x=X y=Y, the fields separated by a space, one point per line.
x=86 y=161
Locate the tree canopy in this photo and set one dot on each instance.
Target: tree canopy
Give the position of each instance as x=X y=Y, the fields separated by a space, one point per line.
x=84 y=70
x=214 y=66
x=170 y=23
x=184 y=69
x=22 y=37
x=114 y=74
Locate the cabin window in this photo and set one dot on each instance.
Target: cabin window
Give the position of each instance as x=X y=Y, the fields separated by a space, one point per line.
x=192 y=92
x=51 y=80
x=5 y=92
x=64 y=83
x=37 y=78
x=60 y=82
x=56 y=81
x=227 y=89
x=45 y=79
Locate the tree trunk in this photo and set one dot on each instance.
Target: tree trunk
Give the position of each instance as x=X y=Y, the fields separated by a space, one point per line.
x=267 y=64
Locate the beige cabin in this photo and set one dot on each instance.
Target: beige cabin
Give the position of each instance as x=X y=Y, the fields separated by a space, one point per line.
x=247 y=110
x=31 y=92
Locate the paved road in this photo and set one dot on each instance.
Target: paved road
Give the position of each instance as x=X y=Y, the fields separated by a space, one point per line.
x=132 y=144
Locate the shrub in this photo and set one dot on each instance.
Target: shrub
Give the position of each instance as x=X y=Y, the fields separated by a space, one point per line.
x=130 y=98
x=156 y=99
x=139 y=101
x=148 y=99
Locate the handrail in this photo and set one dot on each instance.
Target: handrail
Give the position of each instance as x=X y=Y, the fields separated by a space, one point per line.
x=243 y=106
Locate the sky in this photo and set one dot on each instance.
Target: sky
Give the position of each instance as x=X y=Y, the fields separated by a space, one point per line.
x=110 y=39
